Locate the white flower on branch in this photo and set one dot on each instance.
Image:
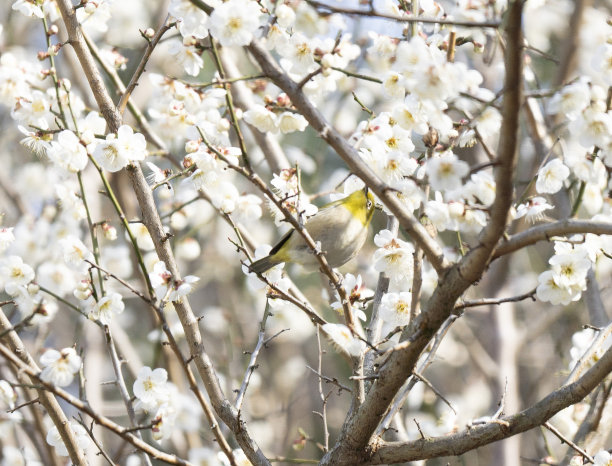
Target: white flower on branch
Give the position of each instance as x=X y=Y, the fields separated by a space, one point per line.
x=551 y=177
x=68 y=152
x=235 y=22
x=8 y=396
x=394 y=257
x=151 y=387
x=119 y=149
x=54 y=438
x=59 y=367
x=395 y=308
x=446 y=171
x=187 y=55
x=106 y=307
x=343 y=339
x=14 y=273
x=6 y=238
x=533 y=210
x=28 y=8
x=192 y=20
x=261 y=118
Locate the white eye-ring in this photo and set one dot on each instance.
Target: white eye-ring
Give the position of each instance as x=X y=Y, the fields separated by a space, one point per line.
x=369 y=204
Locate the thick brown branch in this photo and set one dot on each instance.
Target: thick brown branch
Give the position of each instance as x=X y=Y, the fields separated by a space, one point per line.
x=469 y=439
x=545 y=232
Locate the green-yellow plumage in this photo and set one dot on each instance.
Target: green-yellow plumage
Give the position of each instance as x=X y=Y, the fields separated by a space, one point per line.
x=341 y=227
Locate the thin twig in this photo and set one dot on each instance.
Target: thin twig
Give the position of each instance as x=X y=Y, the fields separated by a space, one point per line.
x=564 y=439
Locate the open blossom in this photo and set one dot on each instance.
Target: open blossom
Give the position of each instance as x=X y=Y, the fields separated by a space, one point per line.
x=235 y=22
x=393 y=256
x=343 y=339
x=570 y=269
x=119 y=149
x=533 y=210
x=551 y=177
x=288 y=122
x=67 y=152
x=104 y=309
x=571 y=100
x=6 y=238
x=151 y=387
x=261 y=118
x=395 y=308
x=83 y=441
x=549 y=290
x=187 y=55
x=357 y=292
x=59 y=367
x=75 y=252
x=445 y=172
x=14 y=273
x=166 y=287
x=8 y=396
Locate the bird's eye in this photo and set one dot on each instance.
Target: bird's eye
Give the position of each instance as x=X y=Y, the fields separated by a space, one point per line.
x=369 y=204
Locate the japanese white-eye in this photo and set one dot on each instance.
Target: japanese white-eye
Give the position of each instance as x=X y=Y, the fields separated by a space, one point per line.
x=340 y=227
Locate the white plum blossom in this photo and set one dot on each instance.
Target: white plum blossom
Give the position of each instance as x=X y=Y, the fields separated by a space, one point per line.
x=166 y=287
x=68 y=152
x=14 y=273
x=298 y=54
x=28 y=8
x=34 y=110
x=118 y=150
x=225 y=196
x=151 y=387
x=193 y=21
x=187 y=55
x=75 y=253
x=570 y=269
x=59 y=367
x=480 y=189
x=288 y=122
x=548 y=290
x=6 y=238
x=446 y=171
x=235 y=22
x=343 y=339
x=395 y=308
x=285 y=16
x=142 y=235
x=594 y=127
x=357 y=292
x=83 y=441
x=572 y=99
x=602 y=458
x=285 y=186
x=106 y=307
x=551 y=177
x=8 y=396
x=163 y=422
x=261 y=118
x=393 y=256
x=533 y=210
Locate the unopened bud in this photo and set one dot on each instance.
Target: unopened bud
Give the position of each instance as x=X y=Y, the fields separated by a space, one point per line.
x=192 y=146
x=149 y=33
x=283 y=100
x=110 y=232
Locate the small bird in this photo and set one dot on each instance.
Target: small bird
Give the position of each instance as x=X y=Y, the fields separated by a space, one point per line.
x=341 y=228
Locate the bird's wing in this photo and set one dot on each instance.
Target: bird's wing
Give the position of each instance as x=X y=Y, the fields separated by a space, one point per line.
x=282 y=241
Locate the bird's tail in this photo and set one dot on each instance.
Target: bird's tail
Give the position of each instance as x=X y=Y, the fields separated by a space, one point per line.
x=261 y=265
